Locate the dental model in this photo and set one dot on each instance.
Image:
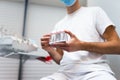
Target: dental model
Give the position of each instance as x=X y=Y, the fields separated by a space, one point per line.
x=58 y=37
x=16 y=44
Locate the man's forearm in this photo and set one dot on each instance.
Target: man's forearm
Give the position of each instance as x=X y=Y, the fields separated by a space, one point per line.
x=102 y=47
x=55 y=56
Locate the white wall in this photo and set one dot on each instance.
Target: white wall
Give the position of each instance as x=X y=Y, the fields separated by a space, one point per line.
x=8 y=69
x=11 y=17
x=112 y=8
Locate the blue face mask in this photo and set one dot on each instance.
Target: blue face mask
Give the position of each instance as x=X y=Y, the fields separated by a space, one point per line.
x=68 y=2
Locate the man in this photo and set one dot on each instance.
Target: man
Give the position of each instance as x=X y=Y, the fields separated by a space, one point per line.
x=92 y=35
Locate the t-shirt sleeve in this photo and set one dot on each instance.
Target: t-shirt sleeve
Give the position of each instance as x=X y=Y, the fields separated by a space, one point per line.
x=102 y=21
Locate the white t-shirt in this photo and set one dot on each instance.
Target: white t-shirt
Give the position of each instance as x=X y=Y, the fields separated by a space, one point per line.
x=88 y=24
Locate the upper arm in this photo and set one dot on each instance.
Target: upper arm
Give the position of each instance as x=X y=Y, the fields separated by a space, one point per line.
x=110 y=34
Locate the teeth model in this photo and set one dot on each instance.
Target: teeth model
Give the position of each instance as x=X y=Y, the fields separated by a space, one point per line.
x=58 y=37
x=15 y=44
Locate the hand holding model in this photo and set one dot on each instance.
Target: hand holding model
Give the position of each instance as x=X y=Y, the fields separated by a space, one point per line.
x=45 y=43
x=74 y=44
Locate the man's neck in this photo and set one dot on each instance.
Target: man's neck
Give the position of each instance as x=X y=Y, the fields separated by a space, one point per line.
x=73 y=8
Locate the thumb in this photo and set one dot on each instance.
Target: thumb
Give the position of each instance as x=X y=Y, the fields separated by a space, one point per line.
x=70 y=33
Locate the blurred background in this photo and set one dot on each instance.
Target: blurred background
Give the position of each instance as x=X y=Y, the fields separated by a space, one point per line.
x=36 y=18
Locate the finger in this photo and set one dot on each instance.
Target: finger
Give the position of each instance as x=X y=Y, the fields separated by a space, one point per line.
x=64 y=48
x=70 y=33
x=45 y=38
x=44 y=43
x=47 y=35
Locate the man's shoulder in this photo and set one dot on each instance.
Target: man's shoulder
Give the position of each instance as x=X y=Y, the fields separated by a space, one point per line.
x=94 y=8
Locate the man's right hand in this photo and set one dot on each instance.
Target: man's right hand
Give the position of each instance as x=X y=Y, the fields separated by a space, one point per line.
x=45 y=43
x=56 y=54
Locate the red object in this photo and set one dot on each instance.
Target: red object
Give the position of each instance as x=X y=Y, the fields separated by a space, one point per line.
x=44 y=59
x=48 y=58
